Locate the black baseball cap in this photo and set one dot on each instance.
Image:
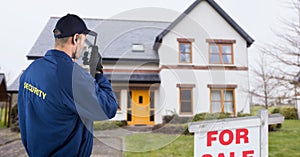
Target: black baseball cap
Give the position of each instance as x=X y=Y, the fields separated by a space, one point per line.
x=69 y=25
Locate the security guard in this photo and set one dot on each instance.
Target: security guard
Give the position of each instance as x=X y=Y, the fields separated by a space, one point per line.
x=59 y=100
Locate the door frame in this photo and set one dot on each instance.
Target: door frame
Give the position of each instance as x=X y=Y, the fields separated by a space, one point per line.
x=132 y=108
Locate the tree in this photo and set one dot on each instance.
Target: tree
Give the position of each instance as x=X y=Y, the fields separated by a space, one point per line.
x=264 y=86
x=285 y=53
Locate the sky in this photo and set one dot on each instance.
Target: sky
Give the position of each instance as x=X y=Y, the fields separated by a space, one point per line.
x=23 y=21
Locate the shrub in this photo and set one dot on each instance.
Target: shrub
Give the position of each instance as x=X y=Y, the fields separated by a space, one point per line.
x=275 y=110
x=200 y=117
x=210 y=116
x=108 y=125
x=167 y=118
x=243 y=114
x=274 y=127
x=289 y=112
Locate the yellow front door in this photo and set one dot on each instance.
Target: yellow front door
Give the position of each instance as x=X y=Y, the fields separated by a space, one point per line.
x=140 y=107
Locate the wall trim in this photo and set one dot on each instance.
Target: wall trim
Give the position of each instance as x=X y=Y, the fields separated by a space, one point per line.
x=222 y=86
x=221 y=41
x=213 y=67
x=186 y=85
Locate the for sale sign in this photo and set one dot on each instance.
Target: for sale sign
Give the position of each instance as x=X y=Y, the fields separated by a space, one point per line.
x=239 y=142
x=233 y=137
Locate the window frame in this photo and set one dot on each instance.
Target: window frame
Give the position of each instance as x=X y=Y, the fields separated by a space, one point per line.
x=220 y=43
x=185 y=41
x=190 y=88
x=223 y=98
x=152 y=99
x=119 y=100
x=129 y=103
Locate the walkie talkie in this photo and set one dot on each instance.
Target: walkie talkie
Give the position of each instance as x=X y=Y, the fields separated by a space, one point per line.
x=95 y=60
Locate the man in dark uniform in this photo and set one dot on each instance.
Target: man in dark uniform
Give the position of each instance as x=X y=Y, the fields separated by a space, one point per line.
x=59 y=100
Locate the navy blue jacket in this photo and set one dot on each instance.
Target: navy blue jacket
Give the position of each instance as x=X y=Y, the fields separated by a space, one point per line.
x=57 y=104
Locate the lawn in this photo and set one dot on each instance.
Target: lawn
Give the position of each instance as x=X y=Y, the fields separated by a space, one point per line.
x=286 y=141
x=282 y=143
x=159 y=145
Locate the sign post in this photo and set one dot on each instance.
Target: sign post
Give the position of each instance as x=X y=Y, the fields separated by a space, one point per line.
x=233 y=137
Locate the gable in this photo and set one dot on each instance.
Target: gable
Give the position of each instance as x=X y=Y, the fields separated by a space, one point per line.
x=218 y=9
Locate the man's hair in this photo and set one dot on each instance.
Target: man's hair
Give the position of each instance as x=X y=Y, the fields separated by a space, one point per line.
x=60 y=41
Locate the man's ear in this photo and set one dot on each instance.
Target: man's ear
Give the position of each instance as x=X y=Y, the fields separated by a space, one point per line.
x=75 y=38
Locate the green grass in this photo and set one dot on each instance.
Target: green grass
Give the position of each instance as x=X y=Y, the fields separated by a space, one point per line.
x=2 y=125
x=159 y=145
x=282 y=143
x=286 y=141
x=2 y=120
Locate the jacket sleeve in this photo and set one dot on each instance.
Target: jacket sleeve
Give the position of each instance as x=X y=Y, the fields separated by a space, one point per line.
x=93 y=98
x=106 y=96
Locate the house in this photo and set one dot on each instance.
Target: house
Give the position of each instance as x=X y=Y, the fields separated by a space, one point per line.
x=4 y=100
x=8 y=99
x=196 y=63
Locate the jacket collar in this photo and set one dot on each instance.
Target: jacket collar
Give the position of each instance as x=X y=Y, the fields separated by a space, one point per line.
x=58 y=53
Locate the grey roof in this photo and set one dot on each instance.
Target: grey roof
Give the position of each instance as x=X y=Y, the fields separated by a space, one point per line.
x=218 y=9
x=14 y=86
x=3 y=94
x=115 y=38
x=132 y=78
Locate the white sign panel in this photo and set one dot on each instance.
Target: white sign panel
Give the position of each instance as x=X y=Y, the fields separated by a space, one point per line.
x=239 y=142
x=233 y=137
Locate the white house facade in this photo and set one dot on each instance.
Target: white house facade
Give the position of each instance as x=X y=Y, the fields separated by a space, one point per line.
x=197 y=63
x=215 y=81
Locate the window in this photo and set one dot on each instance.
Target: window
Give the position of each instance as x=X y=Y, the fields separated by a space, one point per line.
x=140 y=99
x=138 y=48
x=129 y=106
x=118 y=98
x=152 y=100
x=222 y=100
x=185 y=99
x=185 y=50
x=220 y=51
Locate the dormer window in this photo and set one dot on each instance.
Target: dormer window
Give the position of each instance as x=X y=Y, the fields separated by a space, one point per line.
x=220 y=51
x=138 y=48
x=185 y=50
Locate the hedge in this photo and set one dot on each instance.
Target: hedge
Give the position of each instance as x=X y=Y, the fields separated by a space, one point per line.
x=287 y=112
x=211 y=116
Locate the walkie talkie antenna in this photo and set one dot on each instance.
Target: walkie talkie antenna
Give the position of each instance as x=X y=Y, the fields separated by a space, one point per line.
x=94 y=34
